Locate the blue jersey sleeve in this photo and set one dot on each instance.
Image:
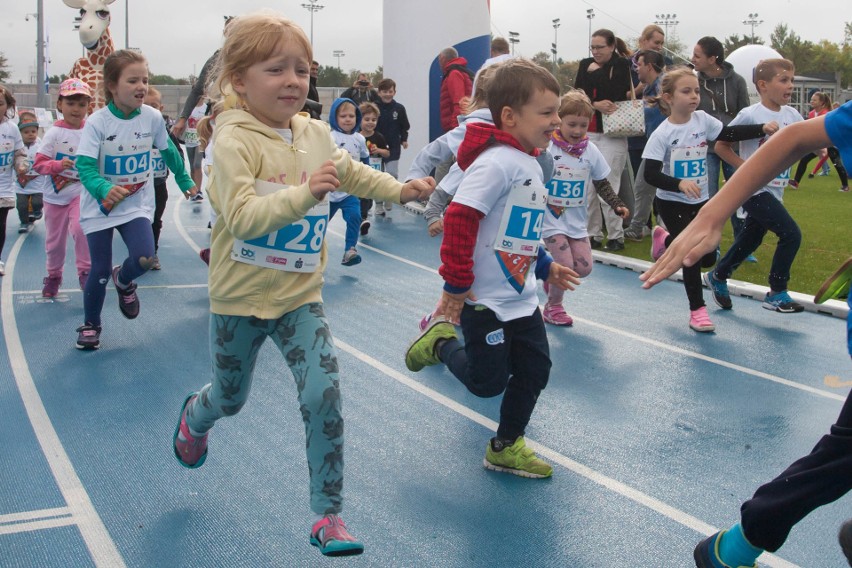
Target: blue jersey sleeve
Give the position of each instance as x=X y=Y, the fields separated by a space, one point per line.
x=838 y=126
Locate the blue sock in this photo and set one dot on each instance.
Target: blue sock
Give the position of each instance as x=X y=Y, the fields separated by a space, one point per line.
x=736 y=550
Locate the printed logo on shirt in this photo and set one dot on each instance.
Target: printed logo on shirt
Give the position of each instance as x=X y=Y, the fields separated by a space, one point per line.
x=495 y=337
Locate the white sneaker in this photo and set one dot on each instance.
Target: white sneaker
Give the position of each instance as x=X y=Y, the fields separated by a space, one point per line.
x=351 y=257
x=388 y=205
x=2 y=268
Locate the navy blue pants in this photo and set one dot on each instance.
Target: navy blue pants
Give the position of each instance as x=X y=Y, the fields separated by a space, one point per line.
x=765 y=213
x=497 y=356
x=139 y=239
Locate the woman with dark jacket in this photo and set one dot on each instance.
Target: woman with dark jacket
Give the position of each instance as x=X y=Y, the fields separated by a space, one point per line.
x=605 y=78
x=723 y=95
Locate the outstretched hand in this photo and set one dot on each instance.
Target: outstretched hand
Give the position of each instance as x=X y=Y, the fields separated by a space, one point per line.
x=562 y=277
x=699 y=238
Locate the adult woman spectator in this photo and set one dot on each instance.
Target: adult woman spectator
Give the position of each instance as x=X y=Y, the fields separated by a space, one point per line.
x=723 y=95
x=605 y=78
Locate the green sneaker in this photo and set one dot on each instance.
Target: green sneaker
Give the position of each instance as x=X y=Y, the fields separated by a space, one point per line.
x=837 y=285
x=421 y=353
x=517 y=459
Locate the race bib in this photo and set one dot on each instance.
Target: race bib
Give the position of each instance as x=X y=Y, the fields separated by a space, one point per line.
x=567 y=189
x=517 y=242
x=293 y=248
x=782 y=180
x=7 y=156
x=376 y=163
x=690 y=163
x=127 y=165
x=158 y=164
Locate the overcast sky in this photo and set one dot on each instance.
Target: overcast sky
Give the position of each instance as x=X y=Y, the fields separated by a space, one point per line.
x=178 y=36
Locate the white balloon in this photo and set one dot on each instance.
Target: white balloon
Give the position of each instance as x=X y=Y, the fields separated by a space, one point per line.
x=745 y=59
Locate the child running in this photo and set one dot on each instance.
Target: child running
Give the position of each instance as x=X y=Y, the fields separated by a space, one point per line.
x=12 y=162
x=822 y=476
x=345 y=120
x=378 y=148
x=56 y=158
x=577 y=162
x=491 y=258
x=114 y=161
x=30 y=185
x=272 y=170
x=676 y=164
x=765 y=209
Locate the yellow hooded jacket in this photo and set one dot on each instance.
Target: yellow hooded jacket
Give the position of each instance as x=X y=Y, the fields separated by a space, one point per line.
x=245 y=150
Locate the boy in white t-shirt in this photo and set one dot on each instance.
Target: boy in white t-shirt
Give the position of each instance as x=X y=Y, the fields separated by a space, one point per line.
x=765 y=210
x=491 y=257
x=30 y=185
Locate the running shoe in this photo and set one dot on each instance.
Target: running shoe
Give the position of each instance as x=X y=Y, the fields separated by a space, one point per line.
x=422 y=352
x=719 y=288
x=351 y=257
x=793 y=184
x=836 y=286
x=782 y=302
x=555 y=315
x=190 y=452
x=614 y=245
x=516 y=459
x=88 y=337
x=636 y=233
x=128 y=301
x=699 y=320
x=365 y=227
x=204 y=254
x=658 y=242
x=51 y=286
x=2 y=268
x=706 y=554
x=155 y=263
x=330 y=535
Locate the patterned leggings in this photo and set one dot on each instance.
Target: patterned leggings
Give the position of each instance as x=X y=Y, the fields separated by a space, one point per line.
x=304 y=339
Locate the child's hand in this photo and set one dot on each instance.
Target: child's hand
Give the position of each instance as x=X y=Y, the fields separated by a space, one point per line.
x=417 y=189
x=771 y=128
x=436 y=228
x=67 y=163
x=22 y=167
x=622 y=212
x=323 y=180
x=115 y=196
x=404 y=145
x=562 y=277
x=451 y=305
x=191 y=192
x=689 y=188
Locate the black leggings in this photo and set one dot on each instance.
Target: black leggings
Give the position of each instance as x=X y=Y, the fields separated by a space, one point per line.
x=834 y=156
x=4 y=211
x=677 y=216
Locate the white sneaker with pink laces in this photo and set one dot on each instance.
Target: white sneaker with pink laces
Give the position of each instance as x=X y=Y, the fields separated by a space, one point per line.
x=699 y=321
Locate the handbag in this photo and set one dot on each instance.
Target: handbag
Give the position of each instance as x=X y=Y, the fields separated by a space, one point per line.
x=628 y=119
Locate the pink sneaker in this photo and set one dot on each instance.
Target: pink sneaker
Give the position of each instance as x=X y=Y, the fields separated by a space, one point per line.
x=329 y=534
x=699 y=320
x=424 y=323
x=658 y=242
x=190 y=452
x=555 y=315
x=51 y=286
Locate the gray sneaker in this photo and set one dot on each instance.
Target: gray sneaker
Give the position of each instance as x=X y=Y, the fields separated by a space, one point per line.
x=637 y=234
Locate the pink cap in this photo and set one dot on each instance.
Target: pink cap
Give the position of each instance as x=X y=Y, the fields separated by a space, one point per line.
x=74 y=86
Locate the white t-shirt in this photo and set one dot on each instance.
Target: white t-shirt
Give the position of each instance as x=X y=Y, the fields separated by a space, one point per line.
x=32 y=182
x=123 y=150
x=190 y=135
x=572 y=176
x=10 y=143
x=356 y=145
x=759 y=114
x=61 y=143
x=682 y=148
x=506 y=185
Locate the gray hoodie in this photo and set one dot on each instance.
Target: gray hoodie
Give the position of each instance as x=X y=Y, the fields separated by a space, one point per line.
x=723 y=97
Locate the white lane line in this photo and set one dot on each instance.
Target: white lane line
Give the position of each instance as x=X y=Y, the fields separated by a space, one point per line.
x=30 y=521
x=32 y=515
x=180 y=228
x=652 y=342
x=38 y=526
x=618 y=487
x=77 y=291
x=97 y=539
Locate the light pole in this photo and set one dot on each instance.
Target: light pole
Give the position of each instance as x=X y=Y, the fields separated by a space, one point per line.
x=667 y=20
x=514 y=37
x=126 y=25
x=41 y=94
x=338 y=53
x=752 y=21
x=556 y=25
x=590 y=14
x=312 y=7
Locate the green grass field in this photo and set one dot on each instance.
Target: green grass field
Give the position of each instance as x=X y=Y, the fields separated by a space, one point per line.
x=824 y=215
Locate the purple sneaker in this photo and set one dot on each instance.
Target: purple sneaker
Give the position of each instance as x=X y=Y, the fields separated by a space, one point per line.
x=128 y=301
x=51 y=286
x=88 y=337
x=190 y=452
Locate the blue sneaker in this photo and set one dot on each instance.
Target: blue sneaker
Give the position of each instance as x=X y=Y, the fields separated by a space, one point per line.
x=720 y=291
x=782 y=302
x=751 y=258
x=706 y=554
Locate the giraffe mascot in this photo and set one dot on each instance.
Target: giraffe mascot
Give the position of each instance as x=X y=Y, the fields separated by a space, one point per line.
x=95 y=37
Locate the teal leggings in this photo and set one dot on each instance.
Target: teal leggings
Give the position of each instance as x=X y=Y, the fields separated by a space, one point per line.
x=304 y=339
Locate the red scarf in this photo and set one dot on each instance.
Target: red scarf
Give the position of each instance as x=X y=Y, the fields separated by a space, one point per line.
x=479 y=137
